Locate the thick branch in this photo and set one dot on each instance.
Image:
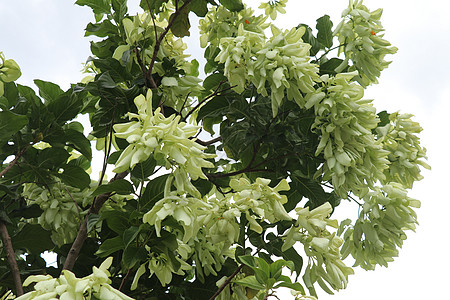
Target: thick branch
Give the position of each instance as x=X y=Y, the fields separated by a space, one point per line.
x=227 y=282
x=210 y=142
x=11 y=258
x=82 y=232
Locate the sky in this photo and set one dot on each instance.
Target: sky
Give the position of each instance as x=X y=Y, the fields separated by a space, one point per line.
x=45 y=37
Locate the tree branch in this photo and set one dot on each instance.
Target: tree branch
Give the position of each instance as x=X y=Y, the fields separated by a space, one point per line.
x=82 y=232
x=14 y=161
x=207 y=143
x=11 y=258
x=161 y=37
x=227 y=282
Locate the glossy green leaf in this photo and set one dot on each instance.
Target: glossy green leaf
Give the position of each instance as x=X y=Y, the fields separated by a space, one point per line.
x=251 y=282
x=92 y=221
x=324 y=32
x=75 y=176
x=232 y=5
x=329 y=67
x=154 y=191
x=110 y=246
x=130 y=235
x=98 y=6
x=33 y=238
x=121 y=186
x=133 y=255
x=79 y=142
x=10 y=124
x=180 y=26
x=48 y=90
x=117 y=221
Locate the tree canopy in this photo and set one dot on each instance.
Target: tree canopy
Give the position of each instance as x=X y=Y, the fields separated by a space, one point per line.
x=223 y=176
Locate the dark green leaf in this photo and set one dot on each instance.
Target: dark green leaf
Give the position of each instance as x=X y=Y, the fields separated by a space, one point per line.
x=309 y=38
x=324 y=33
x=384 y=118
x=180 y=26
x=133 y=255
x=117 y=221
x=27 y=212
x=48 y=90
x=50 y=158
x=232 y=5
x=120 y=9
x=92 y=221
x=212 y=81
x=154 y=191
x=98 y=6
x=144 y=169
x=33 y=238
x=251 y=282
x=130 y=235
x=329 y=67
x=116 y=70
x=78 y=141
x=10 y=124
x=66 y=107
x=103 y=29
x=216 y=107
x=121 y=186
x=110 y=246
x=75 y=176
x=155 y=5
x=199 y=7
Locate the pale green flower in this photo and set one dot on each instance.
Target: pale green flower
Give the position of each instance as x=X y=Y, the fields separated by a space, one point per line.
x=380 y=229
x=69 y=287
x=399 y=137
x=354 y=160
x=167 y=139
x=272 y=7
x=360 y=34
x=9 y=71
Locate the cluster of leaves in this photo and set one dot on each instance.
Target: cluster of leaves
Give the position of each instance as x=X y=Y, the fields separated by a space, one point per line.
x=290 y=136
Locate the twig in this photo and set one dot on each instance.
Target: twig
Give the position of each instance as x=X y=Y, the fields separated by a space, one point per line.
x=82 y=232
x=227 y=282
x=14 y=161
x=76 y=205
x=207 y=143
x=124 y=279
x=11 y=258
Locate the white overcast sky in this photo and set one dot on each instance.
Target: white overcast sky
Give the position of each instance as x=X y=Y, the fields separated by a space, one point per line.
x=45 y=37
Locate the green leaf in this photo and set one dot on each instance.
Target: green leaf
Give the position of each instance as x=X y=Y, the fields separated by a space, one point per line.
x=155 y=5
x=98 y=6
x=232 y=5
x=33 y=238
x=180 y=26
x=103 y=29
x=110 y=246
x=117 y=221
x=75 y=176
x=144 y=169
x=251 y=282
x=48 y=90
x=92 y=220
x=52 y=157
x=212 y=81
x=10 y=124
x=324 y=33
x=294 y=286
x=329 y=67
x=199 y=7
x=121 y=187
x=130 y=235
x=120 y=8
x=117 y=72
x=384 y=118
x=154 y=191
x=133 y=255
x=79 y=142
x=66 y=107
x=309 y=38
x=27 y=212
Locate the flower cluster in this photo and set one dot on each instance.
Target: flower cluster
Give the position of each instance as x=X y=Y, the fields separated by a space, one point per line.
x=399 y=137
x=167 y=139
x=362 y=42
x=321 y=246
x=9 y=71
x=272 y=7
x=67 y=286
x=210 y=224
x=62 y=207
x=380 y=228
x=281 y=63
x=354 y=160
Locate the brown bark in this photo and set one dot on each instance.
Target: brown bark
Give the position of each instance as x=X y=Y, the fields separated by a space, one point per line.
x=11 y=258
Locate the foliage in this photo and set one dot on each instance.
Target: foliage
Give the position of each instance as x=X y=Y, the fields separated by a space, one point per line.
x=290 y=136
